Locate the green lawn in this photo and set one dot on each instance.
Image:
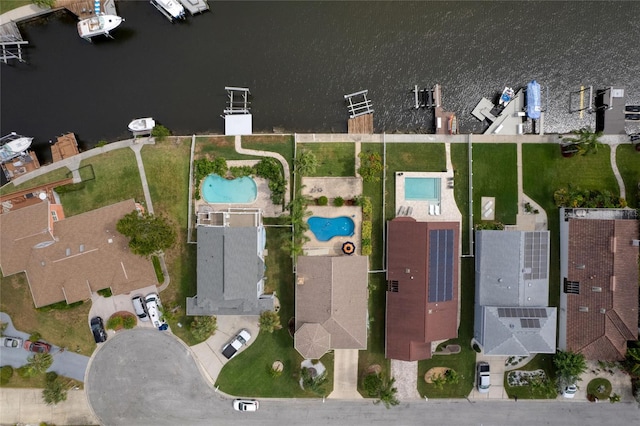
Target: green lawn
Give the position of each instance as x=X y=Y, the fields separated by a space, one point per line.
x=540 y=361
x=495 y=174
x=219 y=146
x=544 y=171
x=410 y=157
x=334 y=159
x=464 y=362
x=52 y=176
x=7 y=5
x=628 y=160
x=116 y=179
x=283 y=145
x=460 y=160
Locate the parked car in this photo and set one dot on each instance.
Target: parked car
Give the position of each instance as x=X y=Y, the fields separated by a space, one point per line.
x=97 y=328
x=570 y=391
x=484 y=377
x=245 y=405
x=39 y=347
x=231 y=349
x=154 y=309
x=10 y=342
x=140 y=308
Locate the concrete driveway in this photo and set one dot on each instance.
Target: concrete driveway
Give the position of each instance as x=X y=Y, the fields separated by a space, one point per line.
x=209 y=352
x=345 y=374
x=498 y=368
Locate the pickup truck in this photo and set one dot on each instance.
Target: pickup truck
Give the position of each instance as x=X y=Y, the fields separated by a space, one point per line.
x=231 y=349
x=484 y=377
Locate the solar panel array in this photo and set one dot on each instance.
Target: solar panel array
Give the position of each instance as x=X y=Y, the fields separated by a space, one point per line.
x=529 y=323
x=441 y=249
x=535 y=255
x=522 y=312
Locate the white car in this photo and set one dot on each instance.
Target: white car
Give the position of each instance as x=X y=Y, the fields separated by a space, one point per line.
x=245 y=405
x=570 y=391
x=154 y=308
x=11 y=342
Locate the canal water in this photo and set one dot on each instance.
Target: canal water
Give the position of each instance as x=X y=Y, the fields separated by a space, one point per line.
x=300 y=58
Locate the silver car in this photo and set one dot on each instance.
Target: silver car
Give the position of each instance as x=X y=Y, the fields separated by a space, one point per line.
x=140 y=308
x=11 y=342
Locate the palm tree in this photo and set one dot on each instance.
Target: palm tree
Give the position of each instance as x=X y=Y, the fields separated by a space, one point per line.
x=39 y=363
x=306 y=163
x=54 y=392
x=585 y=141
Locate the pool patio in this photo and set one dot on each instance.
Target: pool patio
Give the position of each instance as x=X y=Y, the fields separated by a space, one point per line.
x=446 y=210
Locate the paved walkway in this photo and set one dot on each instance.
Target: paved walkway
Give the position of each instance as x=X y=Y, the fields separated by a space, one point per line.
x=345 y=374
x=616 y=172
x=25 y=406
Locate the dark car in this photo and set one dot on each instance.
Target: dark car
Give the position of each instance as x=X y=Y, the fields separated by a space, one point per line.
x=39 y=347
x=97 y=327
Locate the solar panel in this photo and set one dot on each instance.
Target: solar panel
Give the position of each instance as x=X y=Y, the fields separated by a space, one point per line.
x=522 y=313
x=535 y=255
x=441 y=249
x=529 y=323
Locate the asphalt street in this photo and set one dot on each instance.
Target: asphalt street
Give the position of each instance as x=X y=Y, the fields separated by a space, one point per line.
x=147 y=377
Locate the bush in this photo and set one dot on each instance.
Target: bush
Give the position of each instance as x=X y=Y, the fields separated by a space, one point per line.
x=70 y=187
x=114 y=323
x=59 y=306
x=241 y=171
x=105 y=292
x=370 y=166
x=35 y=336
x=366 y=229
x=160 y=132
x=203 y=327
x=323 y=201
x=372 y=384
x=129 y=322
x=6 y=373
x=51 y=376
x=269 y=168
x=367 y=208
x=338 y=202
x=270 y=321
x=203 y=167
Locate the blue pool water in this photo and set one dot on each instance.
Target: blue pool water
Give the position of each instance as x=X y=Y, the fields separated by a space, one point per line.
x=216 y=189
x=422 y=188
x=325 y=228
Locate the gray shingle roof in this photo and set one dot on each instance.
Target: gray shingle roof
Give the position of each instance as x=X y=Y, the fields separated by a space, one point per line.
x=229 y=271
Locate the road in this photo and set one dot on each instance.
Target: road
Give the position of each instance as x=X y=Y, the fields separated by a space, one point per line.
x=147 y=377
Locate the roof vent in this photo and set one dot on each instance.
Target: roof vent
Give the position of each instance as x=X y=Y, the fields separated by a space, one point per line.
x=300 y=281
x=407 y=270
x=500 y=280
x=581 y=266
x=81 y=248
x=110 y=240
x=603 y=311
x=635 y=243
x=68 y=251
x=597 y=289
x=583 y=309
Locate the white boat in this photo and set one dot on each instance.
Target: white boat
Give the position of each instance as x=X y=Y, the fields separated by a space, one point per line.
x=507 y=95
x=98 y=25
x=141 y=126
x=170 y=8
x=12 y=146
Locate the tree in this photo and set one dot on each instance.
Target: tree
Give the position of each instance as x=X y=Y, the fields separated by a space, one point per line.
x=54 y=392
x=160 y=132
x=37 y=364
x=388 y=394
x=315 y=384
x=585 y=141
x=203 y=327
x=632 y=361
x=569 y=366
x=370 y=166
x=269 y=321
x=148 y=234
x=372 y=384
x=307 y=163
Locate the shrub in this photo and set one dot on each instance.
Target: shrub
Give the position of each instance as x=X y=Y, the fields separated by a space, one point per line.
x=160 y=132
x=203 y=327
x=270 y=321
x=129 y=322
x=241 y=171
x=6 y=373
x=370 y=166
x=70 y=187
x=51 y=376
x=101 y=143
x=105 y=292
x=59 y=306
x=338 y=202
x=372 y=384
x=35 y=336
x=367 y=208
x=366 y=250
x=114 y=323
x=203 y=167
x=366 y=229
x=269 y=168
x=323 y=201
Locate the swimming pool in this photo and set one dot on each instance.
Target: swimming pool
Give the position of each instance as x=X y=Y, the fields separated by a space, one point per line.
x=422 y=188
x=325 y=228
x=216 y=189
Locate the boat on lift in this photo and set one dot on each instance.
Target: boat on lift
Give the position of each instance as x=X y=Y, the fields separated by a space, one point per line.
x=13 y=145
x=533 y=100
x=142 y=126
x=507 y=96
x=98 y=25
x=171 y=9
x=453 y=125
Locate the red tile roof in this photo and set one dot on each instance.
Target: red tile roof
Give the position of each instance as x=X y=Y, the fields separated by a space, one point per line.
x=604 y=315
x=413 y=322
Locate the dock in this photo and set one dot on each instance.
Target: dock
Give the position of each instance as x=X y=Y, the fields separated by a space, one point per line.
x=362 y=124
x=610 y=111
x=360 y=113
x=18 y=166
x=507 y=120
x=195 y=6
x=66 y=146
x=84 y=9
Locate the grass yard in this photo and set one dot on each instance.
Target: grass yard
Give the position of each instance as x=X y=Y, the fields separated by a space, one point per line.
x=116 y=179
x=334 y=159
x=219 y=146
x=283 y=145
x=542 y=362
x=464 y=362
x=495 y=174
x=410 y=157
x=544 y=170
x=628 y=160
x=460 y=160
x=38 y=382
x=7 y=5
x=68 y=328
x=52 y=176
x=279 y=266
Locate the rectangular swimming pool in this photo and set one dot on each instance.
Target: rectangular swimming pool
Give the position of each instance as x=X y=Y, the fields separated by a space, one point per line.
x=422 y=189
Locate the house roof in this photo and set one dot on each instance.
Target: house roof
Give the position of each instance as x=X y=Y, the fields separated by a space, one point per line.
x=228 y=272
x=333 y=292
x=87 y=254
x=312 y=340
x=604 y=263
x=512 y=268
x=422 y=280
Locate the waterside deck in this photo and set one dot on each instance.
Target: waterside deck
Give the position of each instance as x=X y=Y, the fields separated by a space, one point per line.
x=65 y=147
x=84 y=9
x=20 y=165
x=363 y=124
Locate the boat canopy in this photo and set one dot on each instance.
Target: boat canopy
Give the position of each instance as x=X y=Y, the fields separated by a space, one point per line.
x=533 y=100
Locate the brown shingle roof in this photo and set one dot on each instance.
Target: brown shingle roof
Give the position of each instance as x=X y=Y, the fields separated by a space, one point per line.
x=603 y=316
x=333 y=292
x=88 y=255
x=412 y=321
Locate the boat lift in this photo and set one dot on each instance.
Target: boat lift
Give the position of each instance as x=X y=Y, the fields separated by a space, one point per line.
x=237 y=115
x=582 y=106
x=362 y=107
x=425 y=98
x=11 y=42
x=238 y=100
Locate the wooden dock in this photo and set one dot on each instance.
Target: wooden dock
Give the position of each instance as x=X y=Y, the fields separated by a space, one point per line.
x=31 y=196
x=362 y=124
x=20 y=165
x=84 y=9
x=65 y=147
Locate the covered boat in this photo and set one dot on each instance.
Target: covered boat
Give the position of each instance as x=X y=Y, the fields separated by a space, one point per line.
x=141 y=126
x=533 y=100
x=98 y=25
x=13 y=145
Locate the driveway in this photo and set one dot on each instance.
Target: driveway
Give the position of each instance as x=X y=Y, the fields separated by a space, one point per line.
x=345 y=374
x=106 y=306
x=498 y=368
x=65 y=363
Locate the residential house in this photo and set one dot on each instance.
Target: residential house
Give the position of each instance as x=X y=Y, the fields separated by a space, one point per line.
x=230 y=269
x=599 y=288
x=331 y=304
x=422 y=287
x=512 y=316
x=67 y=259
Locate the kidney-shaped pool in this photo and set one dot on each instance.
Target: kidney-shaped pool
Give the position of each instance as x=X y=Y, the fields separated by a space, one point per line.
x=325 y=228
